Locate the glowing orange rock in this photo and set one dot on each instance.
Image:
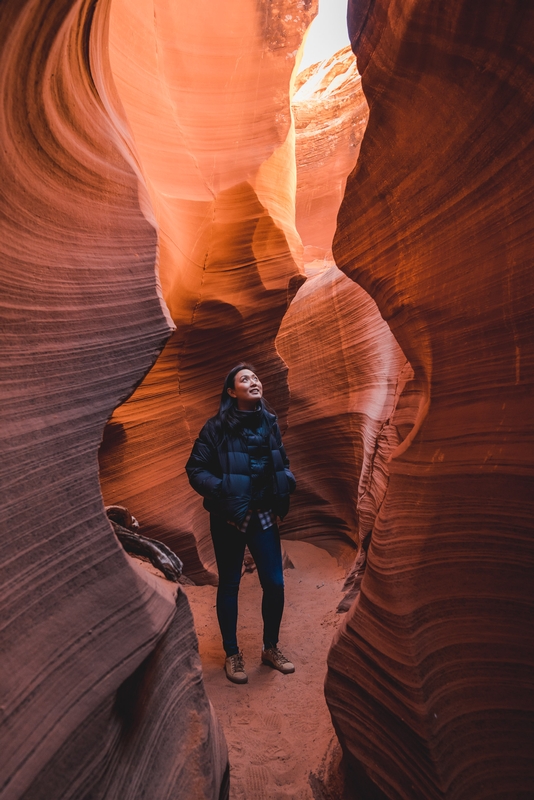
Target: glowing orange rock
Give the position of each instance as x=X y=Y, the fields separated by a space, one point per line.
x=330 y=118
x=206 y=91
x=343 y=361
x=344 y=366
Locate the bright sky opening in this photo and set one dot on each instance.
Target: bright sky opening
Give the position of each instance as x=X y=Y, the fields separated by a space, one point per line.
x=327 y=34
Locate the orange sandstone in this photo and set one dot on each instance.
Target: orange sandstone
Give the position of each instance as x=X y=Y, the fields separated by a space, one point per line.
x=206 y=92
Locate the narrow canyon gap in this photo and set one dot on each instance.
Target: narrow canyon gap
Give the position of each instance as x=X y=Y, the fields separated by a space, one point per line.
x=151 y=160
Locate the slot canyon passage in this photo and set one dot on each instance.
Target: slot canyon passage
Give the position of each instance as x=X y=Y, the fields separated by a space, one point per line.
x=177 y=196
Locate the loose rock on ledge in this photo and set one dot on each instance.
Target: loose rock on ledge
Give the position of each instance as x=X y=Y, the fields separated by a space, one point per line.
x=162 y=557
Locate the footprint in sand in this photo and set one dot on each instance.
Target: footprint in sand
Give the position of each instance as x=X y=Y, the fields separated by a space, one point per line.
x=281 y=751
x=273 y=721
x=257 y=779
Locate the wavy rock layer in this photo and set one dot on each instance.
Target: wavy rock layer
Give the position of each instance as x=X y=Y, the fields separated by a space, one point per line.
x=343 y=385
x=429 y=681
x=343 y=361
x=206 y=92
x=82 y=323
x=139 y=741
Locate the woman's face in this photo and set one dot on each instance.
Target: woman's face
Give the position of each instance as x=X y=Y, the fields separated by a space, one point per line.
x=247 y=390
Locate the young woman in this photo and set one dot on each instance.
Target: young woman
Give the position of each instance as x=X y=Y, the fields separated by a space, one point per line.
x=239 y=466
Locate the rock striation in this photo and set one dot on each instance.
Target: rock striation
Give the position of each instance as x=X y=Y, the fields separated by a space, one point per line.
x=344 y=363
x=343 y=391
x=82 y=322
x=205 y=89
x=160 y=173
x=430 y=679
x=156 y=736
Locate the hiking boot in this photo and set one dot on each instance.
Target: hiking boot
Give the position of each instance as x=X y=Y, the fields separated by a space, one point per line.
x=275 y=658
x=234 y=666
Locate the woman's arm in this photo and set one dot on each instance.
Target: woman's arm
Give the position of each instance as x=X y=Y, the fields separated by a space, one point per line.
x=290 y=477
x=202 y=466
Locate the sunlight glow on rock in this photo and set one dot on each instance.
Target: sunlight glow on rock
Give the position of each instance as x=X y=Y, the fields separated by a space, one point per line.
x=328 y=32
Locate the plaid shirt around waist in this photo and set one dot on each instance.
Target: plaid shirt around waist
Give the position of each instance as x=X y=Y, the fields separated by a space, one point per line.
x=267 y=520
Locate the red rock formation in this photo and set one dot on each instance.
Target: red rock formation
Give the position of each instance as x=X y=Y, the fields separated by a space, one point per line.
x=156 y=737
x=430 y=681
x=343 y=386
x=343 y=361
x=206 y=91
x=82 y=322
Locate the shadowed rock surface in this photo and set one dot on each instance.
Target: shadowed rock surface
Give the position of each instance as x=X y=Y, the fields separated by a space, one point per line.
x=430 y=680
x=82 y=322
x=157 y=736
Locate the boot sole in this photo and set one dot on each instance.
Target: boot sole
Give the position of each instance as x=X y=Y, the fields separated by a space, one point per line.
x=233 y=679
x=273 y=666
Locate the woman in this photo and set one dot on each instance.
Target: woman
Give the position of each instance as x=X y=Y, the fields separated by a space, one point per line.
x=239 y=466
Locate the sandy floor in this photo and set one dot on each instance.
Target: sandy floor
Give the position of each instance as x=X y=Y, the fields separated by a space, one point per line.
x=277 y=726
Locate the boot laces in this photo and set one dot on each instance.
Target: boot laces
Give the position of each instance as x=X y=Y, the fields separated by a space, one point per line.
x=238 y=662
x=280 y=657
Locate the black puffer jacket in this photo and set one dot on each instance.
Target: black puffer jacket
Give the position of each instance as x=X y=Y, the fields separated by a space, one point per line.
x=220 y=471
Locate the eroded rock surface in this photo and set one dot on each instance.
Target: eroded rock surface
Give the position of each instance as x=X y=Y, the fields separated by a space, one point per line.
x=206 y=90
x=156 y=736
x=344 y=369
x=429 y=682
x=344 y=363
x=430 y=678
x=82 y=322
x=330 y=118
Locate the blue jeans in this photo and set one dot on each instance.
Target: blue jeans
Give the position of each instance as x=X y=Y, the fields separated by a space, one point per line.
x=264 y=545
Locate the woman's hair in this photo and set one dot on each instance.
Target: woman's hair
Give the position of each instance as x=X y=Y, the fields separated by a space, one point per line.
x=226 y=419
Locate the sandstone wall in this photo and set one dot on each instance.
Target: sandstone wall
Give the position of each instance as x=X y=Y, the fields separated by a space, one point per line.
x=82 y=322
x=344 y=368
x=330 y=117
x=344 y=363
x=430 y=680
x=206 y=90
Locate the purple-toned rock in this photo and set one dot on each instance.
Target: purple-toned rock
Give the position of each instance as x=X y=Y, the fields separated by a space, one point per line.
x=100 y=692
x=430 y=680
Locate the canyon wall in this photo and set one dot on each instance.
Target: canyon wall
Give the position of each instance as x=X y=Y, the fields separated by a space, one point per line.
x=343 y=389
x=178 y=154
x=330 y=113
x=206 y=90
x=344 y=363
x=430 y=679
x=82 y=322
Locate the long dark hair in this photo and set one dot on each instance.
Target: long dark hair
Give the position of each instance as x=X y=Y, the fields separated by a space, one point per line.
x=227 y=420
